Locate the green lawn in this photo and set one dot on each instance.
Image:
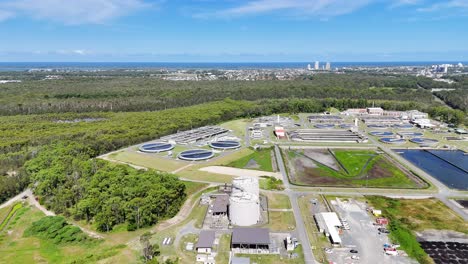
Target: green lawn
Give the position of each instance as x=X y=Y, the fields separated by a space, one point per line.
x=354 y=161
x=8 y=217
x=223 y=249
x=277 y=200
x=16 y=248
x=152 y=161
x=237 y=126
x=281 y=221
x=261 y=157
x=407 y=216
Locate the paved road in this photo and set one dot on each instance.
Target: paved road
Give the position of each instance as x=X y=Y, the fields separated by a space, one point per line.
x=301 y=230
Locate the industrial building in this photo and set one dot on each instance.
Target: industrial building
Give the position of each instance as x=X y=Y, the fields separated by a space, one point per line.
x=330 y=119
x=220 y=205
x=239 y=204
x=194 y=135
x=380 y=120
x=329 y=223
x=329 y=135
x=279 y=132
x=250 y=240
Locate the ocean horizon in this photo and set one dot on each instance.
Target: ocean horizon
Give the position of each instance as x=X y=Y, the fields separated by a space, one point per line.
x=25 y=66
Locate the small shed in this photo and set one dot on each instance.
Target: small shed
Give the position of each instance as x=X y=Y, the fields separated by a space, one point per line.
x=205 y=242
x=240 y=260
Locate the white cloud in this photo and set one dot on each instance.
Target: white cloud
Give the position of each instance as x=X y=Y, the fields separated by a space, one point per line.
x=460 y=5
x=320 y=8
x=73 y=12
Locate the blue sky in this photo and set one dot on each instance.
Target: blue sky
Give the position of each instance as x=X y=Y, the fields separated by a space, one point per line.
x=233 y=30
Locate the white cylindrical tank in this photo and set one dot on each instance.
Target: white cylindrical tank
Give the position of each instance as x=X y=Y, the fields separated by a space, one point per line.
x=244 y=209
x=246 y=184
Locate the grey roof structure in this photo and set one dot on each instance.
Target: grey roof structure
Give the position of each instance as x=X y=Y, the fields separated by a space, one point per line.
x=240 y=260
x=205 y=239
x=220 y=204
x=252 y=236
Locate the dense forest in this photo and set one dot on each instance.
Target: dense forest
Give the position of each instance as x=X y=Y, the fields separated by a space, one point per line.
x=144 y=93
x=69 y=182
x=457 y=99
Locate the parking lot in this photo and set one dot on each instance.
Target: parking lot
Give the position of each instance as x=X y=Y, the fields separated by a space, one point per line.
x=363 y=236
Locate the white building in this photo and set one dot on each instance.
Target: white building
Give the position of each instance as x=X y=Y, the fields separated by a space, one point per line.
x=415 y=115
x=328 y=66
x=328 y=224
x=375 y=111
x=317 y=65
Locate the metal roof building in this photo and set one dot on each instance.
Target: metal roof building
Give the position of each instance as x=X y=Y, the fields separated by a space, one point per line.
x=220 y=205
x=251 y=240
x=205 y=240
x=327 y=223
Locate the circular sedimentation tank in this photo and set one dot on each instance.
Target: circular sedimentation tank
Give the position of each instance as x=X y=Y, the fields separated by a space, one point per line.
x=324 y=126
x=346 y=126
x=403 y=126
x=225 y=144
x=424 y=141
x=377 y=126
x=196 y=154
x=389 y=140
x=381 y=133
x=156 y=147
x=410 y=134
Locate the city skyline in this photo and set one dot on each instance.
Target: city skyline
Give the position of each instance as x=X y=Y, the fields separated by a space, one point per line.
x=233 y=31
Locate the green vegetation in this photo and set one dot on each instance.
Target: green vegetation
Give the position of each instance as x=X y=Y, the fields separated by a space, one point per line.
x=363 y=168
x=271 y=183
x=34 y=249
x=100 y=192
x=281 y=221
x=407 y=216
x=354 y=161
x=57 y=230
x=11 y=213
x=259 y=160
x=277 y=200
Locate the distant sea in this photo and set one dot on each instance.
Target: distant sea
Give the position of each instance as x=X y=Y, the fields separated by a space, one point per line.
x=25 y=66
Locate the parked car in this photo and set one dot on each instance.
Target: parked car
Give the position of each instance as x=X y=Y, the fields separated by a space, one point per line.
x=354 y=251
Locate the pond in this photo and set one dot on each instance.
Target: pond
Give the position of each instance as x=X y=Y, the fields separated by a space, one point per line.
x=448 y=166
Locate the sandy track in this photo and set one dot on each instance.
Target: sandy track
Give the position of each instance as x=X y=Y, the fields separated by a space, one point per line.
x=239 y=172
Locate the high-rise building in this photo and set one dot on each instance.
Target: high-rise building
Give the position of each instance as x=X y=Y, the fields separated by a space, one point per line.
x=309 y=67
x=317 y=65
x=328 y=66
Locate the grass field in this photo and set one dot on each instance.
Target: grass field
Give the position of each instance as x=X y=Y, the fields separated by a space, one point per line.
x=277 y=200
x=261 y=158
x=354 y=161
x=4 y=221
x=364 y=168
x=147 y=160
x=237 y=126
x=223 y=249
x=407 y=216
x=18 y=249
x=281 y=221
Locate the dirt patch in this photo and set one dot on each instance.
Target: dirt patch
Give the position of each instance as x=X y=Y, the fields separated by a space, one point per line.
x=322 y=156
x=252 y=164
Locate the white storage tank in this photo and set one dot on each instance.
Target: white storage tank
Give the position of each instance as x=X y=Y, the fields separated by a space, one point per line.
x=246 y=184
x=244 y=209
